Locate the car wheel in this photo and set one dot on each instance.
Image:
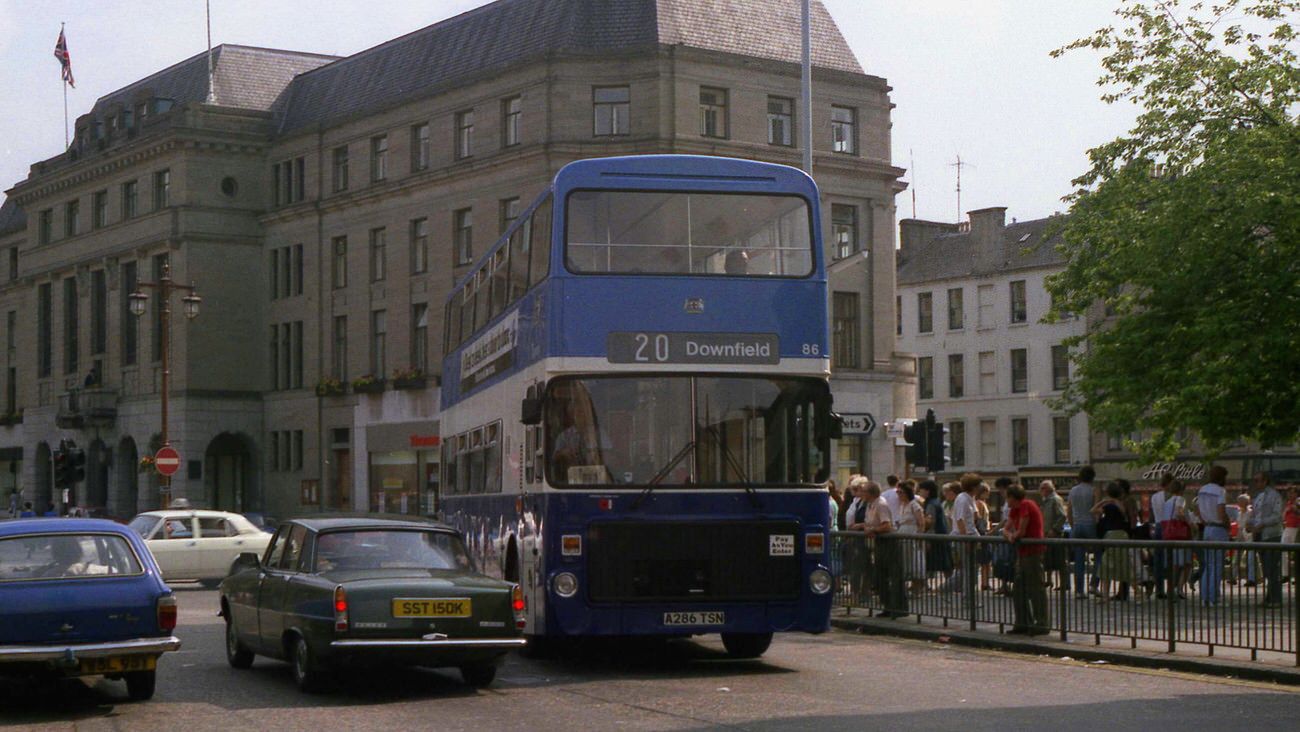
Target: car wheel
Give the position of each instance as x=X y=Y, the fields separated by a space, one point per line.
x=236 y=654
x=140 y=684
x=479 y=674
x=746 y=645
x=306 y=672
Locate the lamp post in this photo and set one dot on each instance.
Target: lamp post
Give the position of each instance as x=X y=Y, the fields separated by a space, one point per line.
x=190 y=306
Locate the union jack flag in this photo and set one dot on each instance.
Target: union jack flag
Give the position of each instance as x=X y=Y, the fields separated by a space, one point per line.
x=61 y=53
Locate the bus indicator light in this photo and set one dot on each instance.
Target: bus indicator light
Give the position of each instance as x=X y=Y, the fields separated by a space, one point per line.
x=606 y=504
x=571 y=545
x=814 y=543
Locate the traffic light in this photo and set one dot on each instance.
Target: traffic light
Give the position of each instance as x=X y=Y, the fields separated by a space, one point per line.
x=915 y=436
x=937 y=445
x=62 y=464
x=77 y=461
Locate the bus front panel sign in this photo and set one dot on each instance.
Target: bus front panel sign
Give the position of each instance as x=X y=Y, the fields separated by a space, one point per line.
x=650 y=347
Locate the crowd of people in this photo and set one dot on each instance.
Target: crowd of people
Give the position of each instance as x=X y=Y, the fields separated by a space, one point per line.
x=895 y=569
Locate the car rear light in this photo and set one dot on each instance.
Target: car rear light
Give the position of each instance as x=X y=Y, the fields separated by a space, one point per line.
x=340 y=609
x=518 y=604
x=167 y=612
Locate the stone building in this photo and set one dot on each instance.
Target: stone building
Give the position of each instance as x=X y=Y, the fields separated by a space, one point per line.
x=323 y=207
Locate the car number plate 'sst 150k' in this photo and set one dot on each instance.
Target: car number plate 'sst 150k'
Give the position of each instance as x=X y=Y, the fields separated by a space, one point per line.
x=708 y=617
x=446 y=607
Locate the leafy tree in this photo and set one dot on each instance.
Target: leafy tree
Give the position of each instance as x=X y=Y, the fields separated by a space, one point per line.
x=1186 y=231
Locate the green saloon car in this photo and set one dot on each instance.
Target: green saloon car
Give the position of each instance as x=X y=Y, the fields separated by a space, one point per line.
x=336 y=593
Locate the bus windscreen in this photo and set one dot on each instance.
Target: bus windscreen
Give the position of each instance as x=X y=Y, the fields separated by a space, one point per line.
x=687 y=430
x=674 y=233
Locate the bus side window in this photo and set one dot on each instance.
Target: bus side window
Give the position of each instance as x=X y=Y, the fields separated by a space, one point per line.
x=519 y=242
x=530 y=443
x=541 y=243
x=449 y=464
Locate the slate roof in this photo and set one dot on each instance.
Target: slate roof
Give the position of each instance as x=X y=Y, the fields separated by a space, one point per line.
x=243 y=77
x=1022 y=245
x=12 y=218
x=507 y=32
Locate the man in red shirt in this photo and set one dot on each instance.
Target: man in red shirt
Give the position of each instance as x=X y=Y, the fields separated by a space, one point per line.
x=1029 y=593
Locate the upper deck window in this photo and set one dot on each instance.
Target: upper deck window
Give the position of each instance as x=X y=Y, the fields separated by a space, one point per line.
x=645 y=232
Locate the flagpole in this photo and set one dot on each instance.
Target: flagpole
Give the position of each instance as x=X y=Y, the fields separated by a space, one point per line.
x=66 y=141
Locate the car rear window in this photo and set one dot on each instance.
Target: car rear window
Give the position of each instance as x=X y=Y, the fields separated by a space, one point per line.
x=58 y=556
x=391 y=549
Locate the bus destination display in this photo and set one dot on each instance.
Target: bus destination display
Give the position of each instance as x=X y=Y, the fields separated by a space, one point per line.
x=704 y=348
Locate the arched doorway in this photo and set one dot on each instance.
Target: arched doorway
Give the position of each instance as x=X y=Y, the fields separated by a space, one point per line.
x=124 y=492
x=98 y=461
x=44 y=476
x=228 y=474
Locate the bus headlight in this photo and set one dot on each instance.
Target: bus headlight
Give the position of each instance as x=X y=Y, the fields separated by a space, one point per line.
x=566 y=585
x=820 y=581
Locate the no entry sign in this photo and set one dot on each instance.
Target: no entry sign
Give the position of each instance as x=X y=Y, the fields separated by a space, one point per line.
x=168 y=461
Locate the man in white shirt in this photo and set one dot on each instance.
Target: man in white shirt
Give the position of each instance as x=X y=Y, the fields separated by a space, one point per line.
x=963 y=524
x=1083 y=525
x=891 y=498
x=889 y=580
x=1210 y=503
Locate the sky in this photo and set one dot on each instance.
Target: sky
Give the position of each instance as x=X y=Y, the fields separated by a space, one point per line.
x=971 y=79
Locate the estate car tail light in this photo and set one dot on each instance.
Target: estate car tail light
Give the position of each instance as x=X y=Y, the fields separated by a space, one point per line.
x=167 y=612
x=518 y=605
x=340 y=609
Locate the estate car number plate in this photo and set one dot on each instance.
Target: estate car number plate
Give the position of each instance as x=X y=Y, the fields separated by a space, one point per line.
x=708 y=617
x=445 y=607
x=117 y=664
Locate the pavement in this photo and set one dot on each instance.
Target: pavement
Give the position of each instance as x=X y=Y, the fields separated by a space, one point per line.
x=1226 y=662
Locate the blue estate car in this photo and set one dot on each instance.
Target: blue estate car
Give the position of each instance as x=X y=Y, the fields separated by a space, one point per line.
x=82 y=597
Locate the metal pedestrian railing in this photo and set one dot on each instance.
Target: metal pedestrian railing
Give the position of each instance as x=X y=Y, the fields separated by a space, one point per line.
x=1210 y=594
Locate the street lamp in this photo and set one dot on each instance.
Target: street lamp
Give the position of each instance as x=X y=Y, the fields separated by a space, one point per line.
x=190 y=306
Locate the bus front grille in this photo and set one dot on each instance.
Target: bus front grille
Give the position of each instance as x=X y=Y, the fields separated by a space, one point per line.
x=702 y=561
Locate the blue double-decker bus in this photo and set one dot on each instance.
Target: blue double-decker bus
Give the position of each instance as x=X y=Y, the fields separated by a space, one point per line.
x=635 y=415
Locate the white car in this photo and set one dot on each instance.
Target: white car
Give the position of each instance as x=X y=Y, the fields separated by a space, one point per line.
x=197 y=544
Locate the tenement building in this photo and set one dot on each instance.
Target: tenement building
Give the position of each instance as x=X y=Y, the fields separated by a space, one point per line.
x=971 y=299
x=323 y=207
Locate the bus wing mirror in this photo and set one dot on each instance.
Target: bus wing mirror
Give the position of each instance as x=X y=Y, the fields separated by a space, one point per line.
x=836 y=426
x=531 y=411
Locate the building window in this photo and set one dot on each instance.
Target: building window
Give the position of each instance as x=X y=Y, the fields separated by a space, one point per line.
x=511 y=110
x=780 y=121
x=988 y=374
x=160 y=265
x=1019 y=306
x=286 y=355
x=956 y=309
x=1020 y=441
x=988 y=443
x=463 y=235
x=71 y=213
x=339 y=170
x=984 y=303
x=378 y=254
x=924 y=312
x=339 y=349
x=98 y=312
x=286 y=271
x=44 y=334
x=130 y=323
x=713 y=112
x=844 y=130
x=956 y=375
x=162 y=185
x=508 y=208
x=956 y=444
x=844 y=229
x=464 y=134
x=419 y=245
x=1114 y=442
x=1061 y=440
x=420 y=147
x=378 y=343
x=99 y=209
x=71 y=346
x=288 y=181
x=898 y=314
x=130 y=199
x=610 y=106
x=1019 y=370
x=420 y=336
x=339 y=262
x=925 y=377
x=378 y=158
x=45 y=226
x=844 y=330
x=1060 y=367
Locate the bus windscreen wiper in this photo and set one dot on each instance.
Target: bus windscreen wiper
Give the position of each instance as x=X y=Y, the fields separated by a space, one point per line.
x=750 y=490
x=663 y=473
